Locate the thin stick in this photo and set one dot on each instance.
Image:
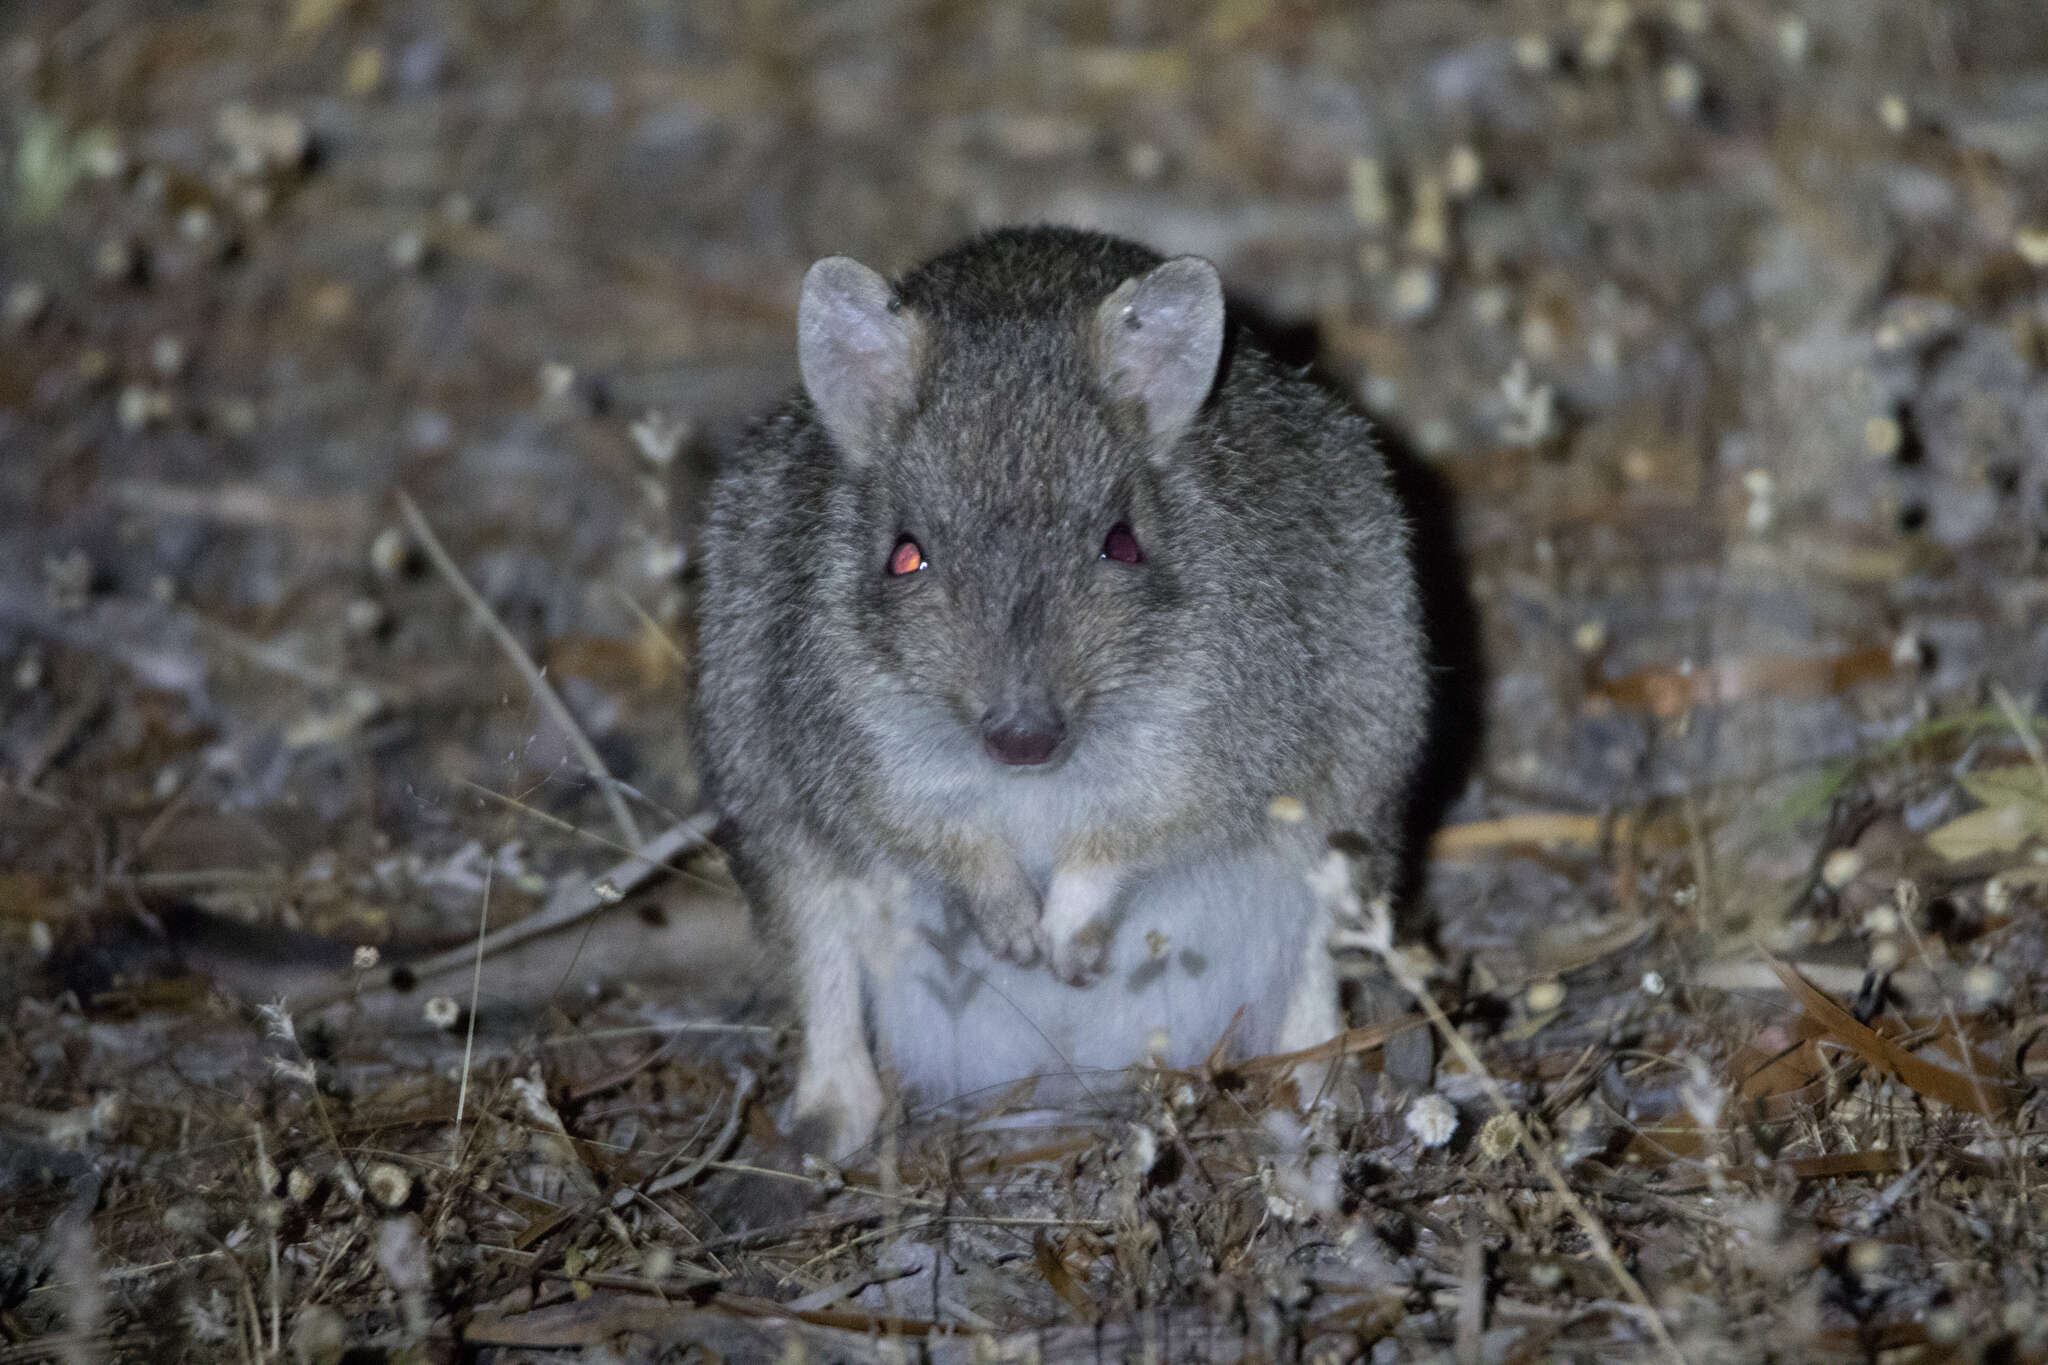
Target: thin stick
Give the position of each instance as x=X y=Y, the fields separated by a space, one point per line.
x=577 y=832
x=276 y=1292
x=1351 y=1041
x=476 y=981
x=1702 y=857
x=647 y=621
x=542 y=691
x=1336 y=888
x=119 y=1273
x=1595 y=1232
x=2029 y=741
x=1966 y=1050
x=891 y=1228
x=598 y=1035
x=741 y=1093
x=564 y=909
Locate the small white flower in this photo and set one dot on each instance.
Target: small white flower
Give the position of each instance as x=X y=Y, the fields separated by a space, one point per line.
x=1840 y=868
x=2031 y=242
x=1498 y=1137
x=388 y=1184
x=389 y=552
x=1464 y=172
x=409 y=249
x=1793 y=40
x=1982 y=986
x=1416 y=292
x=556 y=381
x=1432 y=1119
x=1762 y=509
x=1680 y=85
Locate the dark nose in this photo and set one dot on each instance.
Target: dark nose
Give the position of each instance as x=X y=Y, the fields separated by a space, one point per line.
x=1022 y=736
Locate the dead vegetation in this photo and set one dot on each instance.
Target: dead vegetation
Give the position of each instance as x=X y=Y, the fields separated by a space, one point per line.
x=369 y=993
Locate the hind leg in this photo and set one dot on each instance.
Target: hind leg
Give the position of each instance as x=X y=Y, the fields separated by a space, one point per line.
x=838 y=1101
x=1307 y=1170
x=1313 y=1013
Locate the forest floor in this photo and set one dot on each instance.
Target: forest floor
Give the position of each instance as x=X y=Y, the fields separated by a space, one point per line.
x=1710 y=339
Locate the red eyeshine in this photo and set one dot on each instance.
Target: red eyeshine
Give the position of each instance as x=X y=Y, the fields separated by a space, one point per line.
x=1122 y=546
x=906 y=558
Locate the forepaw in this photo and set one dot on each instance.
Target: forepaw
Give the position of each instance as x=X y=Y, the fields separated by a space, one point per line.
x=1080 y=920
x=1081 y=956
x=1008 y=927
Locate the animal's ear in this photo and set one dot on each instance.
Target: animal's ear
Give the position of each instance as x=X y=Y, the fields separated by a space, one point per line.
x=1159 y=337
x=859 y=351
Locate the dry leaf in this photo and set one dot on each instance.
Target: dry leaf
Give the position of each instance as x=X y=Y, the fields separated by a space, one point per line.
x=2014 y=784
x=2014 y=809
x=1053 y=1267
x=1972 y=1092
x=1671 y=692
x=1542 y=828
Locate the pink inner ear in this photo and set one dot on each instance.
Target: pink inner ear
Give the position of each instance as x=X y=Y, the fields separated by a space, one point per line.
x=1122 y=546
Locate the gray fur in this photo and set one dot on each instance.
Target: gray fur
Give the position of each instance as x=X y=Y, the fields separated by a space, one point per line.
x=1269 y=646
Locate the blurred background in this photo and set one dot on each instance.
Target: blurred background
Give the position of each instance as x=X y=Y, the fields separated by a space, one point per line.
x=1709 y=335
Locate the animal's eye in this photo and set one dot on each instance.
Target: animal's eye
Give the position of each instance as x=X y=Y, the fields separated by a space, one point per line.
x=906 y=558
x=1122 y=546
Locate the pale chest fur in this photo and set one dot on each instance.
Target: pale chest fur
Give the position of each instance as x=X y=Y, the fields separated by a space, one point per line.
x=1204 y=951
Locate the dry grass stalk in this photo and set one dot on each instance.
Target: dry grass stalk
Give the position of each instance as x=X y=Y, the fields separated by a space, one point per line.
x=536 y=682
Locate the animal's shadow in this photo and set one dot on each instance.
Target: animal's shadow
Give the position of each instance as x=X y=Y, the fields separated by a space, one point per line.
x=1450 y=617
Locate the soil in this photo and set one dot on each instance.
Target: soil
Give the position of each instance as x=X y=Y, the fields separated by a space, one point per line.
x=1709 y=339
